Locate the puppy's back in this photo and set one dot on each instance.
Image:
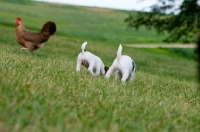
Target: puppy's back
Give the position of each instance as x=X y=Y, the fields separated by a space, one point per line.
x=126 y=62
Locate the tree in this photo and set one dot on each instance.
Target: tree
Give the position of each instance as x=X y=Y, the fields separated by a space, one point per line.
x=182 y=26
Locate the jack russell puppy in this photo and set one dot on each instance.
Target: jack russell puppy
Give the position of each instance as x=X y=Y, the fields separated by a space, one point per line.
x=92 y=62
x=124 y=66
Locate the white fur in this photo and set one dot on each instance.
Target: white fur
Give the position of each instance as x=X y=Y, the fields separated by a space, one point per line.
x=92 y=62
x=123 y=66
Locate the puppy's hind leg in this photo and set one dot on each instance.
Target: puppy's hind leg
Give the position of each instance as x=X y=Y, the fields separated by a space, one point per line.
x=125 y=75
x=133 y=72
x=132 y=76
x=118 y=74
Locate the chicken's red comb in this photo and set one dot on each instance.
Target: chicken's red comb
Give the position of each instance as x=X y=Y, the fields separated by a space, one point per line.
x=18 y=19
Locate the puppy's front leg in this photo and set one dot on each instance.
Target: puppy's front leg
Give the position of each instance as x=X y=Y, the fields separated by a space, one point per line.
x=90 y=68
x=97 y=72
x=110 y=71
x=78 y=65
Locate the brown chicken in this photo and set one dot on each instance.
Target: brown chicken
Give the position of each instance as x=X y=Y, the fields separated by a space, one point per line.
x=30 y=40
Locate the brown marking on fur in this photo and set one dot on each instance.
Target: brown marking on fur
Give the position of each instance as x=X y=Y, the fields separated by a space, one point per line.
x=85 y=63
x=106 y=69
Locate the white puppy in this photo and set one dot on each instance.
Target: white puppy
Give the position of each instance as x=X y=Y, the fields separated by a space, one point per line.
x=92 y=62
x=123 y=65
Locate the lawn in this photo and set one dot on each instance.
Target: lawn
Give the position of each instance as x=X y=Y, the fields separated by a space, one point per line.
x=41 y=91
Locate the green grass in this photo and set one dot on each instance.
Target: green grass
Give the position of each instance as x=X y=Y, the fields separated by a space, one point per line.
x=42 y=91
x=85 y=23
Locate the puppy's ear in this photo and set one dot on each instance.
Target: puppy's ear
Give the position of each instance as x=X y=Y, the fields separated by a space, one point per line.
x=106 y=69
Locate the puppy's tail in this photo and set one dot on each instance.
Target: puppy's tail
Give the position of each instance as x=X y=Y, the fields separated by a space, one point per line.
x=119 y=52
x=83 y=46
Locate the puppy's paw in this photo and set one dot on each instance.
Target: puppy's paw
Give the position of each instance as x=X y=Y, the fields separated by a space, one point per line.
x=107 y=76
x=123 y=81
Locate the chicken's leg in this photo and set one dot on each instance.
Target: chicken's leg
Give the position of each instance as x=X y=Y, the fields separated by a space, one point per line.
x=24 y=48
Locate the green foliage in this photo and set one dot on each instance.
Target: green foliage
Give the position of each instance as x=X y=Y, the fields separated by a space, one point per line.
x=187 y=53
x=41 y=91
x=181 y=26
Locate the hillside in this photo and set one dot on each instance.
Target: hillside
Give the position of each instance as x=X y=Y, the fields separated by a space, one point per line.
x=41 y=91
x=105 y=25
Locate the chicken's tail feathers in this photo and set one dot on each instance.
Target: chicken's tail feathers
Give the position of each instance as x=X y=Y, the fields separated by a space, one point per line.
x=49 y=28
x=83 y=46
x=119 y=52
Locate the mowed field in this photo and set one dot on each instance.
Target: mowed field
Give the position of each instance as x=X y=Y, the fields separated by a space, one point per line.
x=41 y=91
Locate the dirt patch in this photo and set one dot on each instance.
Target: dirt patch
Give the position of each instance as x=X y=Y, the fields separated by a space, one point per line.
x=162 y=45
x=96 y=9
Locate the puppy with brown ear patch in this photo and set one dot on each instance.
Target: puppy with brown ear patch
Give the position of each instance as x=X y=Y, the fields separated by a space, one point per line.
x=92 y=62
x=124 y=67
